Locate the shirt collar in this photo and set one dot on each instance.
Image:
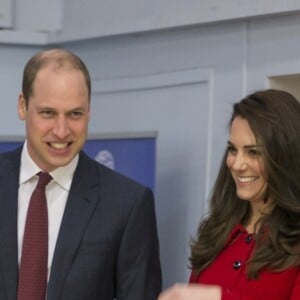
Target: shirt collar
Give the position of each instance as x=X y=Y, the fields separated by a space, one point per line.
x=62 y=175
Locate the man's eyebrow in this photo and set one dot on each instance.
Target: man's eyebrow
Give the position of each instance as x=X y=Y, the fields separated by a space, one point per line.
x=82 y=108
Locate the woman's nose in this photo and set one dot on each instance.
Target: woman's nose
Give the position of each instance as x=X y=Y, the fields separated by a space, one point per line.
x=239 y=163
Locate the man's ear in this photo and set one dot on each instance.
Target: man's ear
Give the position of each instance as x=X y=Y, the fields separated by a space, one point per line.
x=22 y=109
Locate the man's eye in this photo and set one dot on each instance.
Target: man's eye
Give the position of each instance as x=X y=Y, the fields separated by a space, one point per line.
x=47 y=113
x=76 y=114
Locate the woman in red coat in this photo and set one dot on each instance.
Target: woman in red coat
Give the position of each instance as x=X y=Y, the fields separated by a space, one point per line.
x=248 y=248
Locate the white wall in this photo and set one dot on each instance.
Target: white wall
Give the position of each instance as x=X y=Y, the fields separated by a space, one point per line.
x=181 y=83
x=6 y=14
x=12 y=60
x=112 y=17
x=42 y=21
x=38 y=15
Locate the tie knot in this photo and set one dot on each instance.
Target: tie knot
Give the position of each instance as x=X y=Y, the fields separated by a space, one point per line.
x=44 y=179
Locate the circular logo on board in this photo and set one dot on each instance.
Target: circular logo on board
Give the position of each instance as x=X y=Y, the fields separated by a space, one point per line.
x=106 y=158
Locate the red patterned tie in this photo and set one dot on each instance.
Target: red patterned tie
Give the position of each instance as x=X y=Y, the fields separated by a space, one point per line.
x=33 y=267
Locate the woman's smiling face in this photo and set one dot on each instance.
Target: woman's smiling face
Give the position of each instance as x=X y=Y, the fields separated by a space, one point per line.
x=245 y=162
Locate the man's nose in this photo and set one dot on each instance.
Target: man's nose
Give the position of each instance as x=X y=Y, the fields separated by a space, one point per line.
x=61 y=127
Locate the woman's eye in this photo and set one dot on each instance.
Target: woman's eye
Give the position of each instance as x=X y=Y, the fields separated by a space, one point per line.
x=254 y=152
x=231 y=150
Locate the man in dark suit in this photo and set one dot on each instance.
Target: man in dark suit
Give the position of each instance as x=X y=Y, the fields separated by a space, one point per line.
x=102 y=236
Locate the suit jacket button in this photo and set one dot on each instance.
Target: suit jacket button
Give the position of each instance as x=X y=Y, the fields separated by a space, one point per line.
x=236 y=265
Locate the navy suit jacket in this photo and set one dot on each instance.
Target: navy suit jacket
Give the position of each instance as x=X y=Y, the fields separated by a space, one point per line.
x=107 y=245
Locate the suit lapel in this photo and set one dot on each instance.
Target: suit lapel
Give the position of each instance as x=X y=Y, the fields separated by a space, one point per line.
x=9 y=180
x=80 y=206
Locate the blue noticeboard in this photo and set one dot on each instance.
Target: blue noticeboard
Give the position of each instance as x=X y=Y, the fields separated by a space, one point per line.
x=133 y=156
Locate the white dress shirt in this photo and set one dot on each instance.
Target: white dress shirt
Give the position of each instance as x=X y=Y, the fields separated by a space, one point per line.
x=57 y=192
